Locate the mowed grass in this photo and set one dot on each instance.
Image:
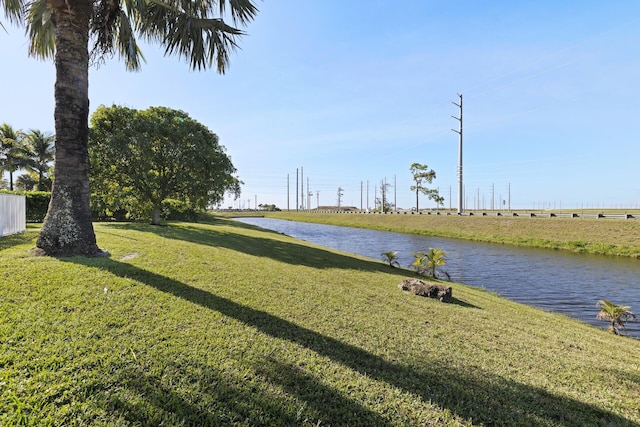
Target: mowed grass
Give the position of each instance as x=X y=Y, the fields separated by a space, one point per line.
x=226 y=324
x=617 y=237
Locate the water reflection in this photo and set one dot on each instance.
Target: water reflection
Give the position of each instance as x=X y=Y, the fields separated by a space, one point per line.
x=552 y=280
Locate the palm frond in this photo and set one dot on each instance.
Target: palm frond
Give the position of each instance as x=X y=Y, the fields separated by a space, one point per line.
x=242 y=11
x=14 y=10
x=187 y=29
x=42 y=38
x=127 y=44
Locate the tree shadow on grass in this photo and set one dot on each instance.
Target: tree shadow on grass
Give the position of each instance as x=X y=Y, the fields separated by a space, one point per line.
x=11 y=240
x=222 y=401
x=323 y=402
x=277 y=249
x=474 y=395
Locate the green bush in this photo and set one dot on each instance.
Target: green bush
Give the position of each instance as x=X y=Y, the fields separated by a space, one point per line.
x=102 y=211
x=178 y=210
x=124 y=207
x=37 y=203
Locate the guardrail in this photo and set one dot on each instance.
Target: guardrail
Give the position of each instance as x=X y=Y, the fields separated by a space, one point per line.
x=493 y=213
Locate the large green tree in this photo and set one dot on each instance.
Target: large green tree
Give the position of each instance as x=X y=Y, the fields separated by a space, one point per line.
x=11 y=151
x=63 y=29
x=139 y=158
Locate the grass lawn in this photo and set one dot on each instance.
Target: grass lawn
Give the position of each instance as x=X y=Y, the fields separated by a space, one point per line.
x=617 y=237
x=226 y=324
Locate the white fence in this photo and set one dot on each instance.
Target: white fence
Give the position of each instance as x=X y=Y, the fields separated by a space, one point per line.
x=13 y=214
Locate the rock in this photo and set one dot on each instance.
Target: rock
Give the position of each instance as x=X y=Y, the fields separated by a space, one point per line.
x=431 y=290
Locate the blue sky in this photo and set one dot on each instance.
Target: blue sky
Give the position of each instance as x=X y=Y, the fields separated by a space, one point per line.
x=356 y=91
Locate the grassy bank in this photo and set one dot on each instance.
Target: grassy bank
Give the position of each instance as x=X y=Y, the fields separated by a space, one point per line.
x=617 y=237
x=226 y=324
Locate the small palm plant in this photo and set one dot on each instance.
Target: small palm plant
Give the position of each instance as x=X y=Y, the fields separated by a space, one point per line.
x=419 y=263
x=435 y=258
x=618 y=315
x=428 y=262
x=391 y=257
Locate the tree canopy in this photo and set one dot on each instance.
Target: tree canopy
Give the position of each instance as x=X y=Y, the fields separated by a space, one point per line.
x=140 y=158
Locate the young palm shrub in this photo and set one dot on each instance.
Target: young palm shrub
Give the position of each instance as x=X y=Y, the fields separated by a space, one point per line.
x=618 y=315
x=391 y=258
x=428 y=262
x=419 y=264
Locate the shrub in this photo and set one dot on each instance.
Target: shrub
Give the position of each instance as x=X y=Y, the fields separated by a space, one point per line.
x=426 y=263
x=178 y=210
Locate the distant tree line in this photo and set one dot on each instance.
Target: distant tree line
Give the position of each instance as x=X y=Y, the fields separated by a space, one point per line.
x=31 y=151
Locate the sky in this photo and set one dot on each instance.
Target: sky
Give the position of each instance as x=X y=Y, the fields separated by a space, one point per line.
x=346 y=94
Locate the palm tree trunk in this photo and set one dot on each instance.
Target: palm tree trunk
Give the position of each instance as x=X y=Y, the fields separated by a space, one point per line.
x=67 y=228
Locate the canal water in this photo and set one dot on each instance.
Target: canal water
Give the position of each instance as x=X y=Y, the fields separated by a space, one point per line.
x=556 y=281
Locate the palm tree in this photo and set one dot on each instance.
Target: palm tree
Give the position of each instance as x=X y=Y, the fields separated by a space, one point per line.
x=419 y=262
x=391 y=257
x=12 y=151
x=39 y=150
x=62 y=29
x=435 y=258
x=618 y=315
x=26 y=182
x=428 y=262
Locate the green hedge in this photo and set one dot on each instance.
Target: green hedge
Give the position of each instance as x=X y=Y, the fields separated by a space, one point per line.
x=37 y=203
x=172 y=209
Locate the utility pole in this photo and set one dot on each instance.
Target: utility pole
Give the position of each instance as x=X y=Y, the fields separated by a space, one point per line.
x=360 y=195
x=493 y=205
x=375 y=197
x=459 y=132
x=302 y=188
x=309 y=196
x=340 y=193
x=297 y=205
x=509 y=197
x=288 y=192
x=395 y=194
x=367 y=195
x=383 y=194
x=318 y=200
